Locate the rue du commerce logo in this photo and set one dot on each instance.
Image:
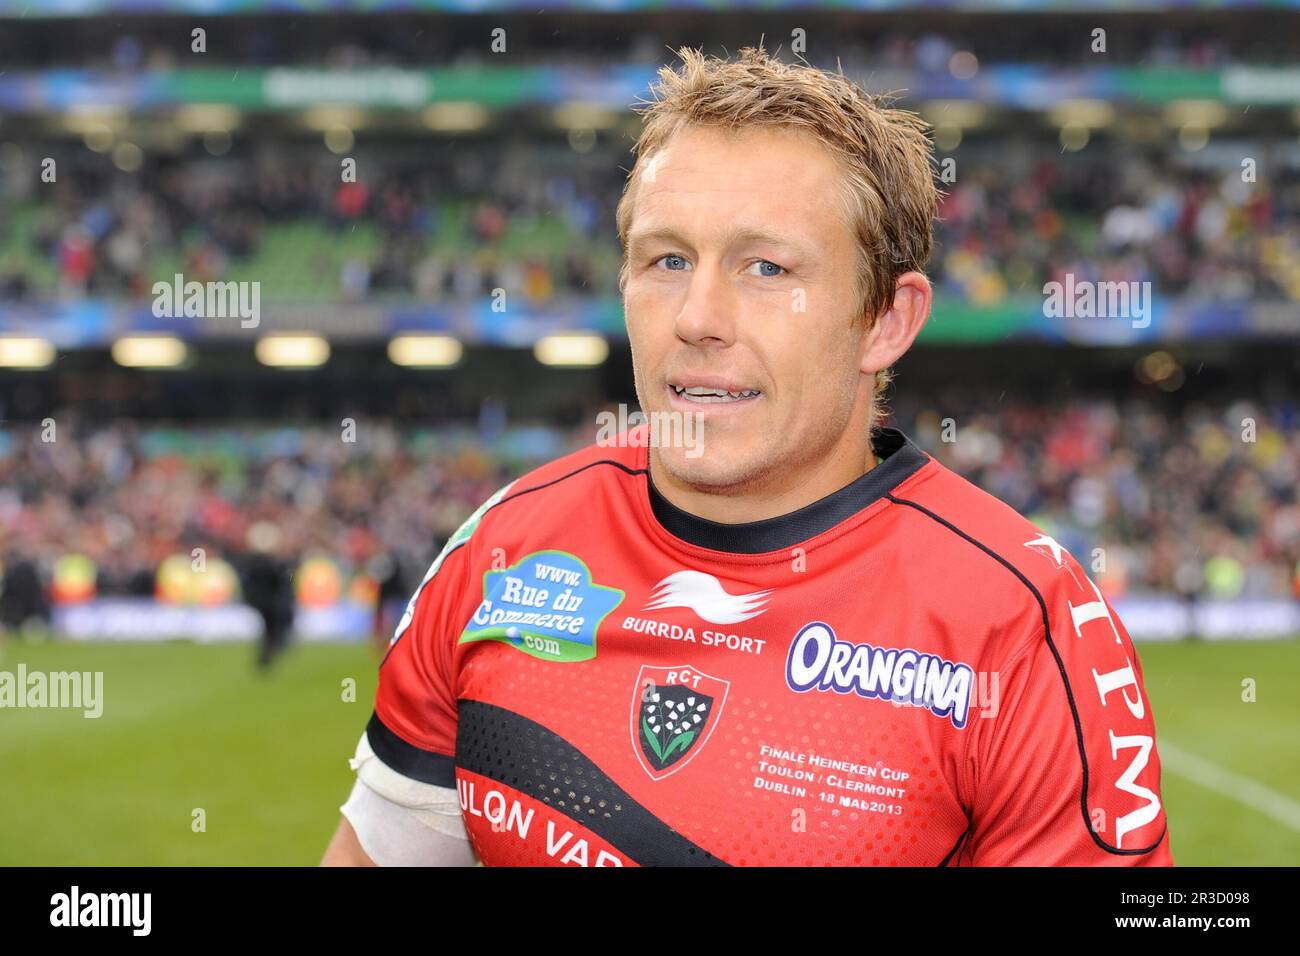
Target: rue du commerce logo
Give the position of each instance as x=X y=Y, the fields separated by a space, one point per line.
x=208 y=300
x=667 y=430
x=1084 y=299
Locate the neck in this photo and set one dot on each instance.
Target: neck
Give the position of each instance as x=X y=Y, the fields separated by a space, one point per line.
x=787 y=492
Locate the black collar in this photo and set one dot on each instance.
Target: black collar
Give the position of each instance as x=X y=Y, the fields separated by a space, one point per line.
x=901 y=459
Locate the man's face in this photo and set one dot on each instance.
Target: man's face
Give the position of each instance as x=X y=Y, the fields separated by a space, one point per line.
x=741 y=277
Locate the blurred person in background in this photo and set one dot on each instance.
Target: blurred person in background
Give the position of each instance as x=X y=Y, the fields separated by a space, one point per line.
x=267 y=579
x=392 y=592
x=23 y=605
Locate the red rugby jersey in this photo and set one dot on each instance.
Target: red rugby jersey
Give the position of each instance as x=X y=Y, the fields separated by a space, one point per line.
x=906 y=672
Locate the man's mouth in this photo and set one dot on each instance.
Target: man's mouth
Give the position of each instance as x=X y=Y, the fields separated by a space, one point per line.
x=702 y=395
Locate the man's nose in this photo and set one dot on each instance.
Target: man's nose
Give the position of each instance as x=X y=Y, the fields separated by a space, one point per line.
x=708 y=313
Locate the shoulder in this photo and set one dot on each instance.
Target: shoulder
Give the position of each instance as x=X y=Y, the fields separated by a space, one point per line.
x=526 y=503
x=985 y=553
x=570 y=479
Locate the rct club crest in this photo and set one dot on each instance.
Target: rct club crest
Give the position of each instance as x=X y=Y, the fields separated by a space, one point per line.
x=674 y=710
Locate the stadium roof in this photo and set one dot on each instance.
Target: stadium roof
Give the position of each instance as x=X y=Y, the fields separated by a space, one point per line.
x=74 y=8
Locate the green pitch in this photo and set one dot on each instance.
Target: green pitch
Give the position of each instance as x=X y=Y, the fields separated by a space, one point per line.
x=189 y=728
x=185 y=727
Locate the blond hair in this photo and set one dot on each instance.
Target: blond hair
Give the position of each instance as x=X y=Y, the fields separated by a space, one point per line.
x=890 y=198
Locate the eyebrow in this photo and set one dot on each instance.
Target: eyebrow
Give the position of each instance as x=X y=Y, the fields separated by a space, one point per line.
x=636 y=238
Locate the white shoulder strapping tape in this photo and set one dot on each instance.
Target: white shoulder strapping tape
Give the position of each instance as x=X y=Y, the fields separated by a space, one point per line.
x=435 y=807
x=391 y=834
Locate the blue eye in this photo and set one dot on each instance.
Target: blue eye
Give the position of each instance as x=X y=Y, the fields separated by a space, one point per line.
x=769 y=275
x=672 y=256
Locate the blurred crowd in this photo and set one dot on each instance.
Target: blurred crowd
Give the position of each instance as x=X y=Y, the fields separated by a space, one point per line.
x=910 y=40
x=1187 y=498
x=1193 y=500
x=129 y=497
x=1119 y=215
x=454 y=222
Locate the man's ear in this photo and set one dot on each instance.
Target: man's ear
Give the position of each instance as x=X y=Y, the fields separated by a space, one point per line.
x=899 y=325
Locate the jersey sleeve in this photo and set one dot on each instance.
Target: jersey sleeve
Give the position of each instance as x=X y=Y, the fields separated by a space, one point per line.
x=1064 y=764
x=413 y=728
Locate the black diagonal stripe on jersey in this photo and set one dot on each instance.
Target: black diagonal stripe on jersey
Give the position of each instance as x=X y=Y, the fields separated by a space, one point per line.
x=513 y=750
x=407 y=759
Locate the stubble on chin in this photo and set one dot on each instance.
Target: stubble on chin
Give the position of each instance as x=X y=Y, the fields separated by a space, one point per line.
x=723 y=469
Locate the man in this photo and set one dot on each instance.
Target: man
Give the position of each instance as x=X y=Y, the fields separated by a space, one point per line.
x=268 y=588
x=800 y=640
x=23 y=604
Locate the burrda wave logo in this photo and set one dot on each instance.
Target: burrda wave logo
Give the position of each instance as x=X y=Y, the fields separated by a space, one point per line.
x=704 y=594
x=546 y=605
